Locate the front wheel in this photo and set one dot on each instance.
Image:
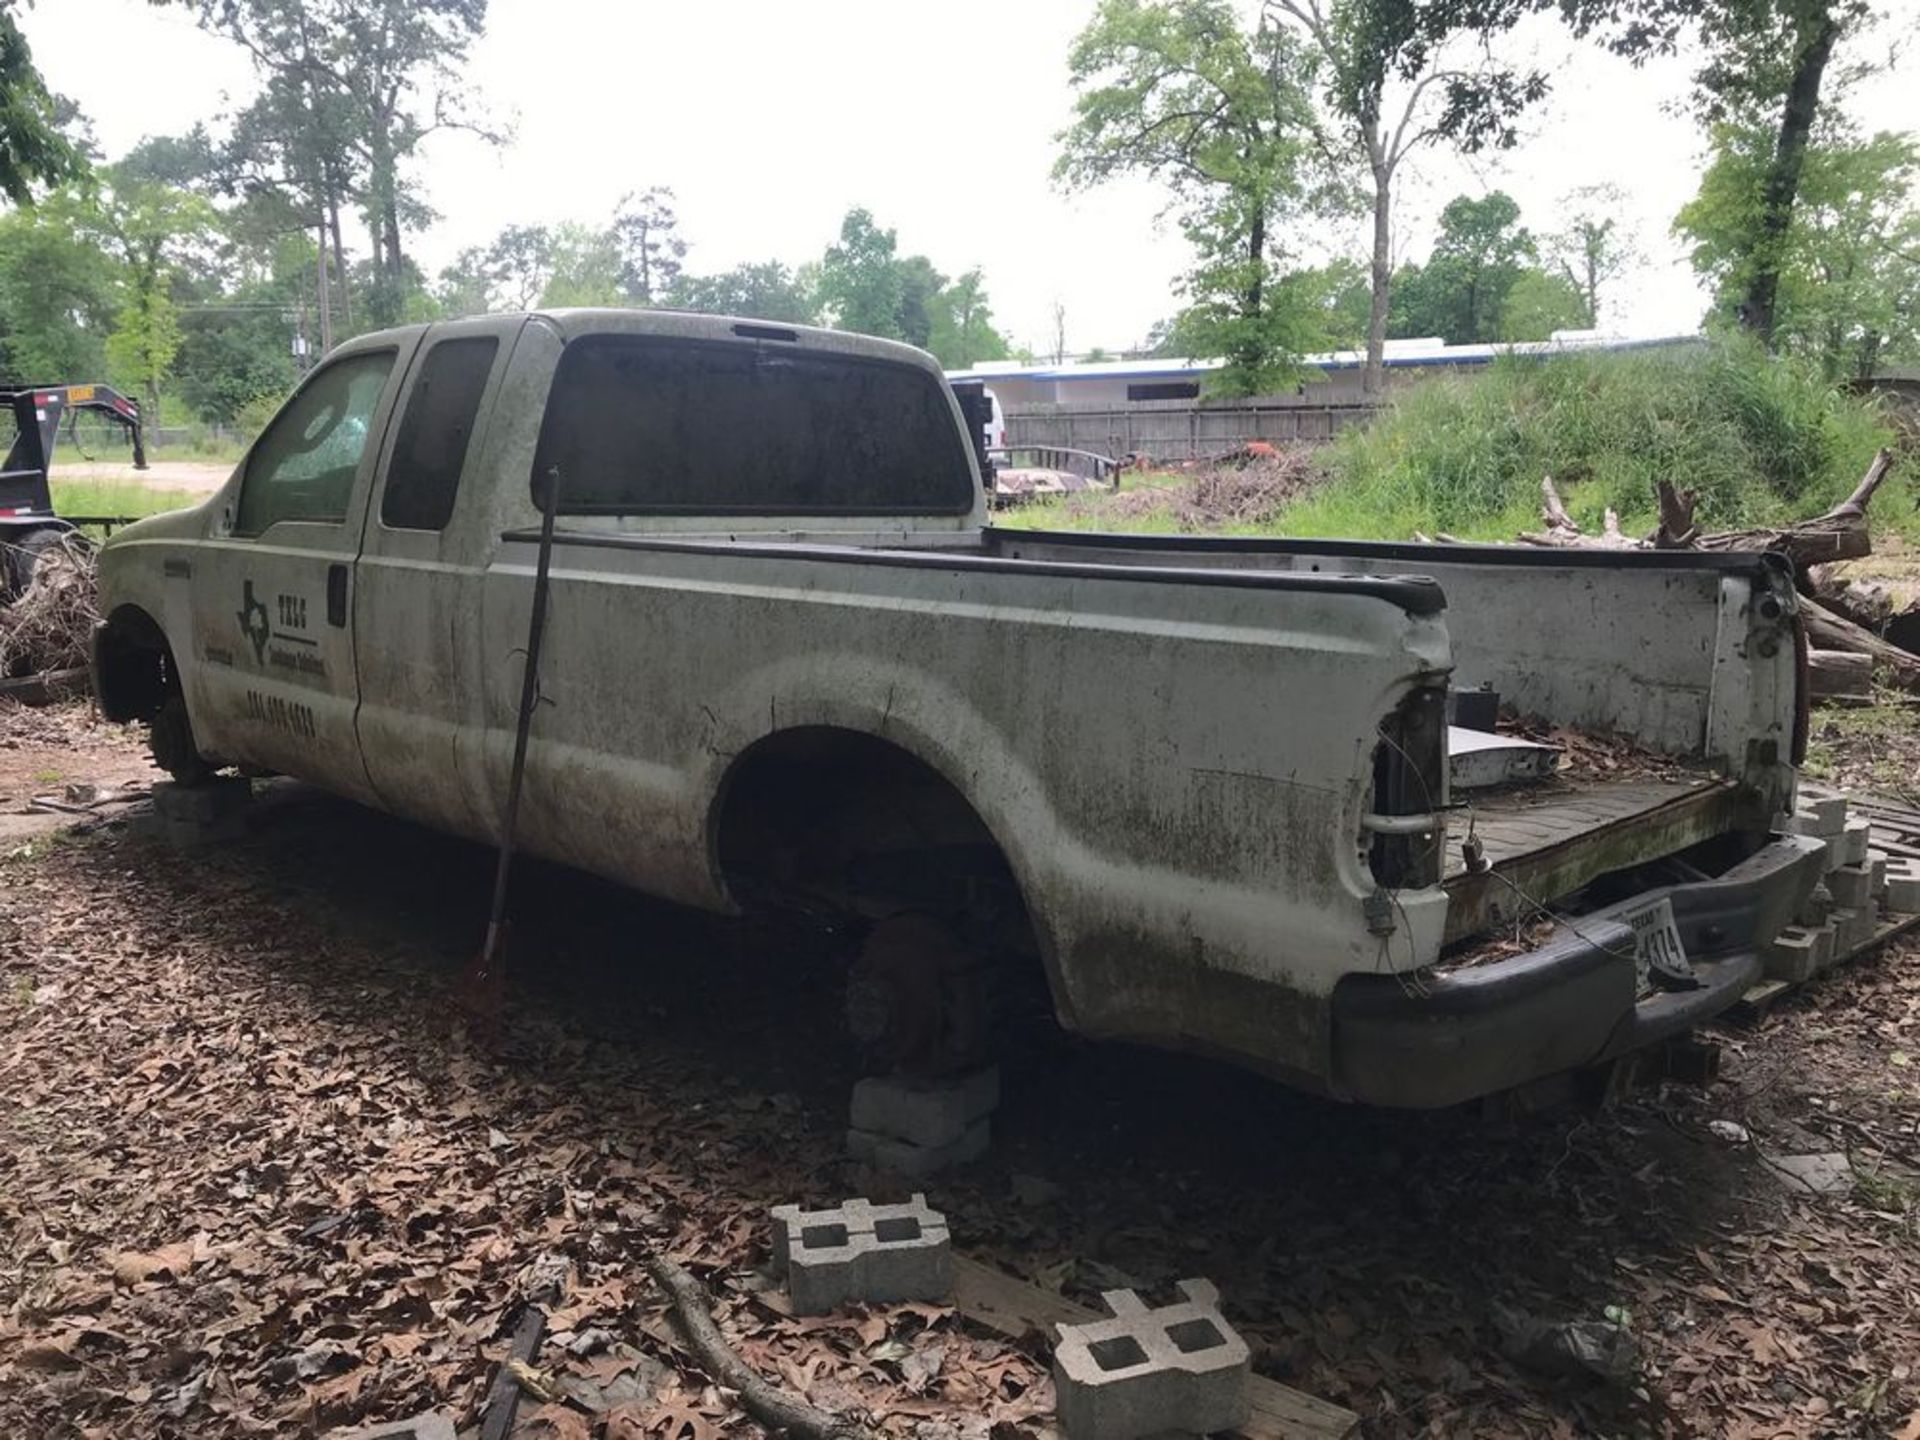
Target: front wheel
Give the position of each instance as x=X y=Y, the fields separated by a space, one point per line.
x=170 y=737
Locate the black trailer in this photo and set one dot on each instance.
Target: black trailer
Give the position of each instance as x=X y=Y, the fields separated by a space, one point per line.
x=28 y=524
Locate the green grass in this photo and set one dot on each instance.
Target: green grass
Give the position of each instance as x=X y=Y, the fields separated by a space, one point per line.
x=200 y=446
x=115 y=497
x=1762 y=441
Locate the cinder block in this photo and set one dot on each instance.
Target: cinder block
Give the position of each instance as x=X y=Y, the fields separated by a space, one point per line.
x=205 y=803
x=188 y=815
x=1851 y=886
x=1795 y=953
x=1816 y=907
x=925 y=1112
x=1903 y=884
x=1825 y=817
x=430 y=1426
x=859 y=1252
x=917 y=1162
x=1834 y=857
x=1852 y=929
x=1144 y=1372
x=1877 y=865
x=1855 y=841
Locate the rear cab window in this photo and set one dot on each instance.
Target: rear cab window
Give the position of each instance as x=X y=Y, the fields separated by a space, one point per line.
x=653 y=425
x=431 y=450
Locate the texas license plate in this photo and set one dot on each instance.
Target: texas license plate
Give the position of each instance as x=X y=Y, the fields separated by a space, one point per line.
x=1656 y=940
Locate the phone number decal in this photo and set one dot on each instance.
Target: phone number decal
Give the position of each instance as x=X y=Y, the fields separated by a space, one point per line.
x=287 y=716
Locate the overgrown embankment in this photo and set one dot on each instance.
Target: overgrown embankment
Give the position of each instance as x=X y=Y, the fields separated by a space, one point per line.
x=1762 y=440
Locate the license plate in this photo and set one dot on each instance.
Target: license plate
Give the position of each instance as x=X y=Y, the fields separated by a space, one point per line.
x=1656 y=940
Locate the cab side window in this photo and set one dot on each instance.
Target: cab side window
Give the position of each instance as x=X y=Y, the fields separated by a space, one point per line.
x=432 y=446
x=302 y=468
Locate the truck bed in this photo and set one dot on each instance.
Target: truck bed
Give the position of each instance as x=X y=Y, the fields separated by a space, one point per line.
x=1544 y=841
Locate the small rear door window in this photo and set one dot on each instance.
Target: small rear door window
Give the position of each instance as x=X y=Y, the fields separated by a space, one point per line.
x=432 y=449
x=639 y=424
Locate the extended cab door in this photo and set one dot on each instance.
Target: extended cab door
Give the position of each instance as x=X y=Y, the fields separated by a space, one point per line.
x=416 y=602
x=272 y=584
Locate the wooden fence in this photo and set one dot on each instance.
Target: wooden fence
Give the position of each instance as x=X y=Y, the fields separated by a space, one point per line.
x=1180 y=429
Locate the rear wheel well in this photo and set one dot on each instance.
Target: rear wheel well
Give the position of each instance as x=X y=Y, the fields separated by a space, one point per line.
x=135 y=670
x=822 y=818
x=828 y=814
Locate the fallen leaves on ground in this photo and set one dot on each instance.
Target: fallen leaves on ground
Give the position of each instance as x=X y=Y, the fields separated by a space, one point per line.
x=255 y=1179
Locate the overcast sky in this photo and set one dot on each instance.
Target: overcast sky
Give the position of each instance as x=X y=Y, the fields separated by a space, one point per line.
x=769 y=118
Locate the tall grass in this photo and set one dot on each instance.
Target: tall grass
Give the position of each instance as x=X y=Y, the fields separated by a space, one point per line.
x=115 y=498
x=1762 y=440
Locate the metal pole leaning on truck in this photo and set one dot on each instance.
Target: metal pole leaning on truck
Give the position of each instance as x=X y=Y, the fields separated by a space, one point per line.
x=487 y=982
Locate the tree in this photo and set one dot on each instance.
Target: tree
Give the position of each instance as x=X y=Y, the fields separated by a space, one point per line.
x=585 y=267
x=646 y=233
x=1764 y=60
x=1335 y=302
x=1593 y=250
x=538 y=266
x=1386 y=116
x=1176 y=89
x=765 y=290
x=963 y=330
x=1847 y=292
x=921 y=287
x=33 y=149
x=860 y=284
x=363 y=82
x=1538 y=303
x=1461 y=292
x=151 y=226
x=57 y=292
x=511 y=273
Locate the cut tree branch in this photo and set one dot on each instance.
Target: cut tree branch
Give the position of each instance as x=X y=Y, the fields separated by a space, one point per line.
x=771 y=1406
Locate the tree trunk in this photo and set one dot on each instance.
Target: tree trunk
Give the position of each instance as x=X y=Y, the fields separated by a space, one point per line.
x=340 y=259
x=323 y=300
x=1256 y=258
x=1783 y=177
x=1373 y=378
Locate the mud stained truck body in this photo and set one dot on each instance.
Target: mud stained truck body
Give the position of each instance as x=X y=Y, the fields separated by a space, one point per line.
x=1202 y=784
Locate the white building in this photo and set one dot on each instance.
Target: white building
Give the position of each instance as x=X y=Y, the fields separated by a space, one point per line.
x=1025 y=385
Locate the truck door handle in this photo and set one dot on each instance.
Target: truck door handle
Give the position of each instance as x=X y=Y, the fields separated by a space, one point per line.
x=337 y=595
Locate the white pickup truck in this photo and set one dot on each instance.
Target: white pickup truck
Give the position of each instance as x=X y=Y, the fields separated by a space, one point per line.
x=1201 y=785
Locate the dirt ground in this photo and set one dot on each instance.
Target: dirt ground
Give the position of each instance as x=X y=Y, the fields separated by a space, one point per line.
x=45 y=751
x=189 y=477
x=255 y=1180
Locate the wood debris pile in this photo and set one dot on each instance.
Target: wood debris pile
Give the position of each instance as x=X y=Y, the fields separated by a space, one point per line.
x=50 y=625
x=1831 y=614
x=1242 y=489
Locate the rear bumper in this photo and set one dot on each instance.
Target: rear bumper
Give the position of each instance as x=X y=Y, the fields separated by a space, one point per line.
x=1443 y=1039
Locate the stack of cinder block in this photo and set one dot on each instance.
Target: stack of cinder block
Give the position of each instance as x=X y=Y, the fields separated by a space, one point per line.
x=920 y=1127
x=860 y=1253
x=186 y=816
x=1177 y=1370
x=1843 y=914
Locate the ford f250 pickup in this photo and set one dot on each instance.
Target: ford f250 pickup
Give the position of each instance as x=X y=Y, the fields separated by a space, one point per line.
x=1200 y=785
